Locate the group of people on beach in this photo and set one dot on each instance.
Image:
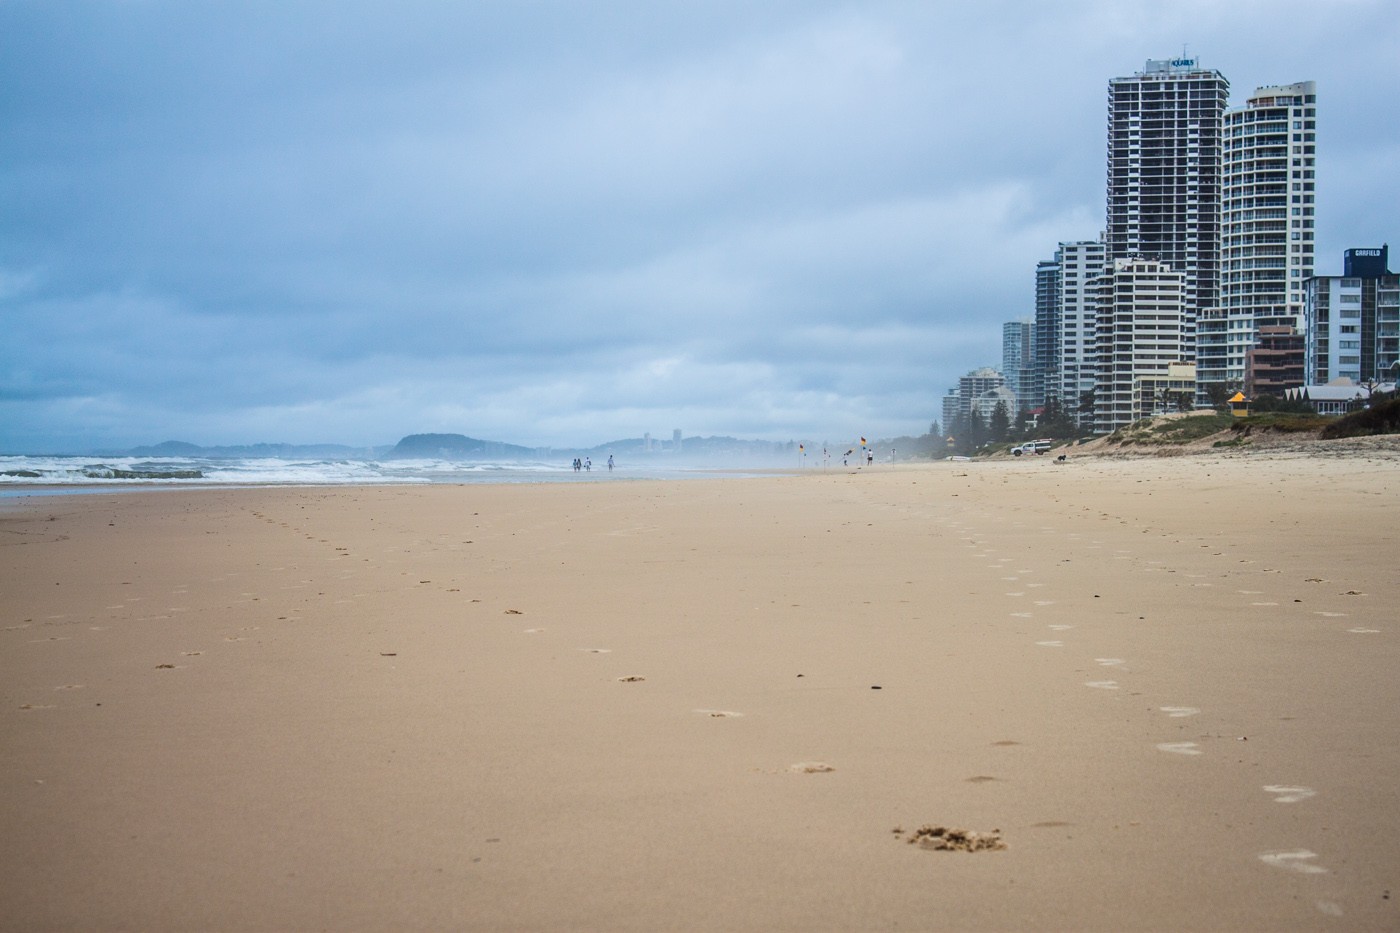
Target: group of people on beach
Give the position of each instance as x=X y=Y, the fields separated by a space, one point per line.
x=585 y=464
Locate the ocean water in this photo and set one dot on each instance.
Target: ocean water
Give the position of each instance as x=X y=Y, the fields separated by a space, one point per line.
x=34 y=475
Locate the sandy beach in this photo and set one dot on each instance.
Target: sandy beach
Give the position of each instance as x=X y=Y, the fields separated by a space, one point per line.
x=1163 y=691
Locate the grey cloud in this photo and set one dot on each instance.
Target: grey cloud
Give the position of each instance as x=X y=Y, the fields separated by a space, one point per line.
x=559 y=222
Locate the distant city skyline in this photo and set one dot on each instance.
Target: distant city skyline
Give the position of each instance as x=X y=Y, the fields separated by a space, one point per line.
x=1203 y=281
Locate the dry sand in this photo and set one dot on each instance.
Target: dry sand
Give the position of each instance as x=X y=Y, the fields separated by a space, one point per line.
x=1169 y=685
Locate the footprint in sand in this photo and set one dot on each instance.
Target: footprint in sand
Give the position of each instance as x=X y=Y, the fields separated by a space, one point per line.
x=1298 y=860
x=1060 y=628
x=1179 y=748
x=1102 y=684
x=1051 y=644
x=811 y=767
x=1330 y=615
x=1108 y=662
x=1364 y=631
x=1179 y=712
x=1021 y=615
x=719 y=713
x=597 y=650
x=1289 y=794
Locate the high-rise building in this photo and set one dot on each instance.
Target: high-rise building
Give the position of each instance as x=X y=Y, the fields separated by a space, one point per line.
x=1017 y=361
x=1164 y=175
x=1353 y=320
x=978 y=384
x=952 y=410
x=1064 y=322
x=1140 y=329
x=1268 y=205
x=1045 y=337
x=1081 y=263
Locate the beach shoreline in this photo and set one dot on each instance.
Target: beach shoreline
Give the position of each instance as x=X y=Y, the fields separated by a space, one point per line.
x=1166 y=683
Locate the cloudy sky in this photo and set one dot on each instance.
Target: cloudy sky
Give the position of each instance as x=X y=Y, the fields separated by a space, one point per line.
x=570 y=222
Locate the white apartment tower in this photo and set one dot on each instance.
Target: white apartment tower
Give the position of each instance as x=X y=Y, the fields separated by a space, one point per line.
x=1164 y=175
x=1081 y=263
x=1140 y=329
x=1268 y=212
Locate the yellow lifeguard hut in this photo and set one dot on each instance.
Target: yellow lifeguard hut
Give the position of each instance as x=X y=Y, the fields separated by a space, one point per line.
x=1239 y=405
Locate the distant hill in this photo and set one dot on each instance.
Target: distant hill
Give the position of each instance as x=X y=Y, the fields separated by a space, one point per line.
x=456 y=446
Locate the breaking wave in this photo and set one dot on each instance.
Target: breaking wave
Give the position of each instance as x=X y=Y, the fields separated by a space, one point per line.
x=19 y=472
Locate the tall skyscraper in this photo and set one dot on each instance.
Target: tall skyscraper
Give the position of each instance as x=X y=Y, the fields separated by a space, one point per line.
x=1268 y=210
x=1164 y=175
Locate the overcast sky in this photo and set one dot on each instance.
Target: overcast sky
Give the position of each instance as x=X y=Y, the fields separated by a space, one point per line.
x=557 y=223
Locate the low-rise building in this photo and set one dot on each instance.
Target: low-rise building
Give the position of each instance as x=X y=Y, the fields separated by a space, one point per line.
x=1275 y=364
x=1160 y=393
x=1338 y=396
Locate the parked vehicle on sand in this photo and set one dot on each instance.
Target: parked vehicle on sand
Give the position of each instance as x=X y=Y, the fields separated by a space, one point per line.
x=1033 y=447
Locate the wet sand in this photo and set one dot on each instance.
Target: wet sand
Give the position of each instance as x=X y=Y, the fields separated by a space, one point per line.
x=1167 y=688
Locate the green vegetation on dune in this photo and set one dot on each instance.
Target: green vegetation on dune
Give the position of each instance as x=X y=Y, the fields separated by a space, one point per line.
x=1283 y=422
x=1164 y=431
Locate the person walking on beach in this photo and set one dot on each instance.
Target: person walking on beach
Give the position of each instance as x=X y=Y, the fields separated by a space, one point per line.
x=610 y=463
x=588 y=464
